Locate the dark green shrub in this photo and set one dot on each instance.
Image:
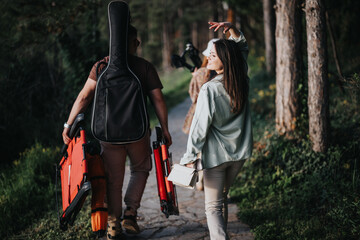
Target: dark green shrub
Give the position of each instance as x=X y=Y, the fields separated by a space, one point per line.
x=288 y=191
x=27 y=189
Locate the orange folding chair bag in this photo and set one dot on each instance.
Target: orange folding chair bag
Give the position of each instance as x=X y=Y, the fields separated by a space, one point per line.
x=81 y=170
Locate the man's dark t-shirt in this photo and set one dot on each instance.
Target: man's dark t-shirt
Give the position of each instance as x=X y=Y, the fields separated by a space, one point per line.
x=143 y=69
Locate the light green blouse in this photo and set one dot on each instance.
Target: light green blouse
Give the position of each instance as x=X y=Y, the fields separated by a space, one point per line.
x=217 y=133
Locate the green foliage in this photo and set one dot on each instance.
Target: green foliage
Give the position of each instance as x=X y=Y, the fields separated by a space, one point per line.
x=45 y=58
x=152 y=17
x=47 y=226
x=251 y=19
x=262 y=100
x=352 y=85
x=27 y=189
x=342 y=17
x=287 y=191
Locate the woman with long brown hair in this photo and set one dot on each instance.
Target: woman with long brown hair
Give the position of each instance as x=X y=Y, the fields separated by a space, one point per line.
x=221 y=129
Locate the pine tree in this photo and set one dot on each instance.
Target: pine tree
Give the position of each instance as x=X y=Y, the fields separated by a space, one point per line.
x=318 y=96
x=287 y=65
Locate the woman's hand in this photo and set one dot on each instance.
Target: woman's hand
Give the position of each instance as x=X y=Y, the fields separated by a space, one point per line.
x=217 y=25
x=189 y=165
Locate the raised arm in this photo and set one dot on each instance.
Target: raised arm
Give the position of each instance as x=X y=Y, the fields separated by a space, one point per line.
x=235 y=35
x=228 y=27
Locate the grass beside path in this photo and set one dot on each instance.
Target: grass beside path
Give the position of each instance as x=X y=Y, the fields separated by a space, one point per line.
x=176 y=85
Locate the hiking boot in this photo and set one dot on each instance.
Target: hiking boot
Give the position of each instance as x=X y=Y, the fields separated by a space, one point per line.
x=129 y=222
x=114 y=231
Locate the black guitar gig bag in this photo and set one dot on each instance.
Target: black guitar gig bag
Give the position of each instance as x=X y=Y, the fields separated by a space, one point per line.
x=119 y=112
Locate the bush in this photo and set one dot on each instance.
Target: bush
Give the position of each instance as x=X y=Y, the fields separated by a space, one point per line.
x=288 y=191
x=27 y=189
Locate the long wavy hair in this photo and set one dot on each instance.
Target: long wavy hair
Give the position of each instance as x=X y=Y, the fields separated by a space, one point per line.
x=235 y=73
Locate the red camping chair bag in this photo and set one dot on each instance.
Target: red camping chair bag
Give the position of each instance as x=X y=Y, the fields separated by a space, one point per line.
x=163 y=163
x=81 y=169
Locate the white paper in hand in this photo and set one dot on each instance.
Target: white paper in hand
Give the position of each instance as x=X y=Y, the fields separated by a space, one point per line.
x=183 y=176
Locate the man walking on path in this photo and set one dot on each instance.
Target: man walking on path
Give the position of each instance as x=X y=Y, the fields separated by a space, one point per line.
x=139 y=152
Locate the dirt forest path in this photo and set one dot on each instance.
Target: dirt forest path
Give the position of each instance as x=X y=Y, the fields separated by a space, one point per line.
x=191 y=222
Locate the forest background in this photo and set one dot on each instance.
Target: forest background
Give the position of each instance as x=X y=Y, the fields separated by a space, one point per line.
x=48 y=47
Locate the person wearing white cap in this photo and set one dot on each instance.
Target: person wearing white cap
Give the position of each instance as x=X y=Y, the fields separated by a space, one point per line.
x=206 y=52
x=221 y=129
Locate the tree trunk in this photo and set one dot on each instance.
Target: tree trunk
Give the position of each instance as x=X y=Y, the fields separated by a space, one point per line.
x=318 y=96
x=287 y=65
x=231 y=17
x=167 y=35
x=214 y=18
x=269 y=34
x=166 y=49
x=203 y=36
x=194 y=33
x=179 y=32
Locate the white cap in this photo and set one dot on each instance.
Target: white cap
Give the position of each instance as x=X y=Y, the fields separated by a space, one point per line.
x=206 y=52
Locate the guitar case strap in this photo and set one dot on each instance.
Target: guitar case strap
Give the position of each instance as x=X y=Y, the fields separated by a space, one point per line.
x=119 y=111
